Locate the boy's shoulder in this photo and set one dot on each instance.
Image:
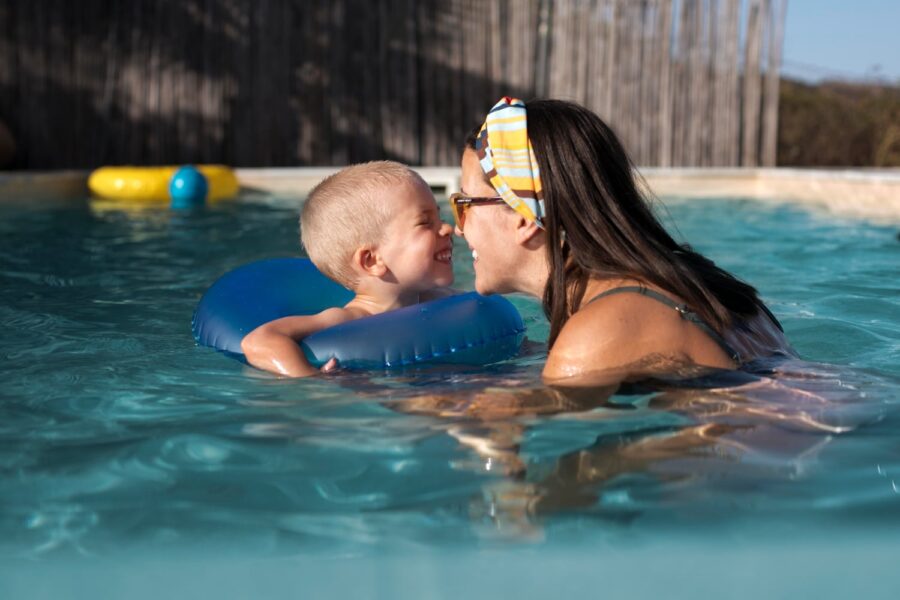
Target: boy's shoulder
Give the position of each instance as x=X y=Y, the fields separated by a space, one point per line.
x=337 y=315
x=303 y=325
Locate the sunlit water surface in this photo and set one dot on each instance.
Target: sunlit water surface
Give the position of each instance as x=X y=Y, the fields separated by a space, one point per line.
x=133 y=459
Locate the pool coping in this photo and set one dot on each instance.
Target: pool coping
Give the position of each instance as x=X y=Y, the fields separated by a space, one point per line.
x=860 y=193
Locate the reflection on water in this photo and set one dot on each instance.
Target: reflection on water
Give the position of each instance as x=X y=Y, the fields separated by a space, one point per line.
x=768 y=422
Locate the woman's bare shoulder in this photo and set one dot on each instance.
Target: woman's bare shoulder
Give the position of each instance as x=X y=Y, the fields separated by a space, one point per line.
x=614 y=333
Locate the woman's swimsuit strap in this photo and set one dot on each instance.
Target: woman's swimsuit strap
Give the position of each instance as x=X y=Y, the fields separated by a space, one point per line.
x=682 y=309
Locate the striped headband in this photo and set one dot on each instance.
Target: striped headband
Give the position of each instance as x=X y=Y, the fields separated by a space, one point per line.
x=507 y=158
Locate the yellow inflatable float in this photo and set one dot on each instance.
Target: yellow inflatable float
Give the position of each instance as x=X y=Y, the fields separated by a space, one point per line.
x=151 y=184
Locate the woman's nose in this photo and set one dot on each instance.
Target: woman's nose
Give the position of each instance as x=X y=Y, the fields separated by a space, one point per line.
x=458 y=231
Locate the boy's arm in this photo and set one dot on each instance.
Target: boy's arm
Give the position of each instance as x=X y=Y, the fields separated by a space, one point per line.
x=274 y=346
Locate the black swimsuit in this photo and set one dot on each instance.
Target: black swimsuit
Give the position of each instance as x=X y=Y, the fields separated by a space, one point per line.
x=682 y=309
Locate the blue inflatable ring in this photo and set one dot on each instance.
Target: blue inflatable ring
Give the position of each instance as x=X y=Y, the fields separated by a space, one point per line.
x=464 y=329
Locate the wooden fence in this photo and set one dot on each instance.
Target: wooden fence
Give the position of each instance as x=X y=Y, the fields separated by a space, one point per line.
x=329 y=82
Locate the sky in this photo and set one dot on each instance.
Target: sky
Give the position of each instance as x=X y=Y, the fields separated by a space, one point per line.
x=848 y=39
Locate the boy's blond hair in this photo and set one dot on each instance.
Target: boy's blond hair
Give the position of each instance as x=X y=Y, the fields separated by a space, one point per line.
x=349 y=210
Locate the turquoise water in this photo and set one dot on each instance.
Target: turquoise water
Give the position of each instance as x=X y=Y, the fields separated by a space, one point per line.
x=134 y=462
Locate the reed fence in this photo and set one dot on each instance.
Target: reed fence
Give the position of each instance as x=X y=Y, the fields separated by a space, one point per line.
x=329 y=82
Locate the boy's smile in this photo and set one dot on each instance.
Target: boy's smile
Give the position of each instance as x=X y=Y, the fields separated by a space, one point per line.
x=417 y=245
x=445 y=255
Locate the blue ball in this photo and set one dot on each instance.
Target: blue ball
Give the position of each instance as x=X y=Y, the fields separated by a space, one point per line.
x=188 y=188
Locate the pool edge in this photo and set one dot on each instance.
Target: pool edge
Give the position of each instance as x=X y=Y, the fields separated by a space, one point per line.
x=859 y=193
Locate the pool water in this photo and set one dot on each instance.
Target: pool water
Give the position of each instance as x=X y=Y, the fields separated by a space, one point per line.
x=133 y=461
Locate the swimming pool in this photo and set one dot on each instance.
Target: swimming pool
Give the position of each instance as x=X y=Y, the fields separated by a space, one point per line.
x=135 y=462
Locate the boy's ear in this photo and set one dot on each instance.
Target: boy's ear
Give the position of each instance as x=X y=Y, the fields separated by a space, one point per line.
x=526 y=231
x=367 y=261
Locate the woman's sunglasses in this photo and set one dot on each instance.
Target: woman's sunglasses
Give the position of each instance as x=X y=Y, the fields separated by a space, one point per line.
x=460 y=203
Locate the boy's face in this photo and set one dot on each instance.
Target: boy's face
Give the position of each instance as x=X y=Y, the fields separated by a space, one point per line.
x=417 y=245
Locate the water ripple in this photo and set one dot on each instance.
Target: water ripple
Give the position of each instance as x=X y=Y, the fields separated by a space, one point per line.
x=117 y=432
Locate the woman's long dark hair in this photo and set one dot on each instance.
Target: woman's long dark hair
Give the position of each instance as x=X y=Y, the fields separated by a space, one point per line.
x=610 y=230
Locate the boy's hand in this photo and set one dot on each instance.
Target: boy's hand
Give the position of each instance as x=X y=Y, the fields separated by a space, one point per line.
x=332 y=366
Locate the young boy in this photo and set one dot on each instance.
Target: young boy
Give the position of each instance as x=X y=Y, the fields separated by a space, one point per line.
x=375 y=229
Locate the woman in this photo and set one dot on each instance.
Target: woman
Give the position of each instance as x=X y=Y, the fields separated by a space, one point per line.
x=549 y=207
